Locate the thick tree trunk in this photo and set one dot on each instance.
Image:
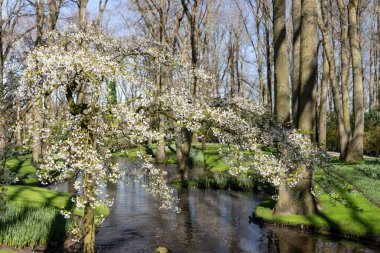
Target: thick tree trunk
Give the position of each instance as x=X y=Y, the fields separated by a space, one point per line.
x=281 y=76
x=299 y=199
x=296 y=20
x=323 y=103
x=355 y=149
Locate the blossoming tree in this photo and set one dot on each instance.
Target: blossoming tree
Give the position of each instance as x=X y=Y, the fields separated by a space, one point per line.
x=74 y=68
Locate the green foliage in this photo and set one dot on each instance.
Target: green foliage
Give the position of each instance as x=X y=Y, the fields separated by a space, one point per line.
x=23 y=225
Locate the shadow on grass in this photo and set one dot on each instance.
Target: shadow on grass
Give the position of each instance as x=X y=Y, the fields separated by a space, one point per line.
x=22 y=166
x=331 y=221
x=33 y=198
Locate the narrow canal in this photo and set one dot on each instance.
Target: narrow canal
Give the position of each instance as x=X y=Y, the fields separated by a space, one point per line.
x=210 y=221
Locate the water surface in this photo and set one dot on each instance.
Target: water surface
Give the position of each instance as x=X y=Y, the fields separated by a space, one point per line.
x=210 y=221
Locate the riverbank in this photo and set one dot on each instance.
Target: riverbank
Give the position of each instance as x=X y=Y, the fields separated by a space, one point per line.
x=358 y=217
x=32 y=217
x=209 y=157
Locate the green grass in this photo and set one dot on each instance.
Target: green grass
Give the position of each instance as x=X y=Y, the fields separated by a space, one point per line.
x=333 y=217
x=362 y=177
x=25 y=171
x=23 y=225
x=358 y=216
x=210 y=158
x=43 y=197
x=32 y=215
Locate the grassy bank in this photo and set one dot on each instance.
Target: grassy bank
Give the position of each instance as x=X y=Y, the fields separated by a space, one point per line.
x=32 y=215
x=365 y=177
x=209 y=157
x=22 y=225
x=359 y=217
x=25 y=171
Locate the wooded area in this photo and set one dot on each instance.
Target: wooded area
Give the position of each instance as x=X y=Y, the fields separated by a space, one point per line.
x=312 y=65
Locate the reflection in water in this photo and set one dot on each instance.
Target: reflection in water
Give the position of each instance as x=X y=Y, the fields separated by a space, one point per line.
x=210 y=221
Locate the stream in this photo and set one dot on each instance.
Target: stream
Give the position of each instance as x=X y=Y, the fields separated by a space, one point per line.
x=210 y=221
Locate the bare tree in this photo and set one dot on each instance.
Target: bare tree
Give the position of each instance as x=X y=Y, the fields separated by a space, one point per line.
x=355 y=149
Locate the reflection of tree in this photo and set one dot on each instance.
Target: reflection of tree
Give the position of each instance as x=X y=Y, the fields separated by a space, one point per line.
x=184 y=220
x=285 y=241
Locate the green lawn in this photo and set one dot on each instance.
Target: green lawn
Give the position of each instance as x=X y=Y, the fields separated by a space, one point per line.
x=25 y=171
x=213 y=161
x=22 y=225
x=358 y=217
x=32 y=216
x=367 y=184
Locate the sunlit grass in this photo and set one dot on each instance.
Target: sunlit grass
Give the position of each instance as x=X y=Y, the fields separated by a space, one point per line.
x=210 y=157
x=333 y=216
x=363 y=178
x=23 y=225
x=358 y=216
x=25 y=171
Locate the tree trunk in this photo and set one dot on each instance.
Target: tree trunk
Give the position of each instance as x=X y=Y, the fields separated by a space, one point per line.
x=323 y=103
x=182 y=163
x=299 y=200
x=161 y=154
x=345 y=64
x=268 y=59
x=355 y=149
x=37 y=150
x=343 y=135
x=89 y=229
x=82 y=13
x=281 y=77
x=296 y=18
x=260 y=62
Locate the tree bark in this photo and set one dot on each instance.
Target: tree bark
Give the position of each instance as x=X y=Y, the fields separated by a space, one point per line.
x=355 y=149
x=343 y=135
x=323 y=103
x=345 y=65
x=268 y=57
x=299 y=200
x=281 y=76
x=82 y=13
x=296 y=20
x=37 y=150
